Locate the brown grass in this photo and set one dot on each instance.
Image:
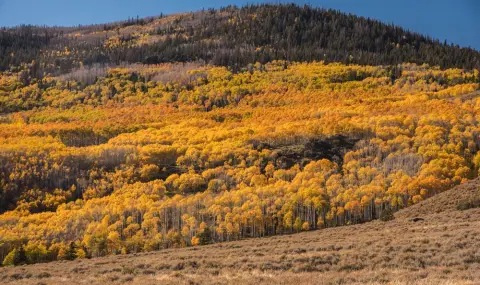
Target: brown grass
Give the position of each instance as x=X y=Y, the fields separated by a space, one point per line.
x=446 y=201
x=444 y=248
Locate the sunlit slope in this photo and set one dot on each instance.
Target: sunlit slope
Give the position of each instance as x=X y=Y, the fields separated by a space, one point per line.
x=441 y=249
x=143 y=158
x=459 y=198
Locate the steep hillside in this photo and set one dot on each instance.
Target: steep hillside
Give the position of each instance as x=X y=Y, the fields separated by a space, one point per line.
x=233 y=37
x=441 y=249
x=251 y=129
x=448 y=201
x=140 y=158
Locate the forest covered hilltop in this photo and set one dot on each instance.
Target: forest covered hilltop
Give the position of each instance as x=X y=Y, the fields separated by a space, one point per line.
x=233 y=37
x=221 y=125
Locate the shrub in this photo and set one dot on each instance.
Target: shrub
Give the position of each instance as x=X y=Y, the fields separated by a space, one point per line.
x=179 y=266
x=472 y=259
x=35 y=252
x=44 y=275
x=195 y=241
x=80 y=253
x=469 y=204
x=128 y=270
x=305 y=226
x=387 y=215
x=15 y=257
x=204 y=237
x=149 y=272
x=10 y=258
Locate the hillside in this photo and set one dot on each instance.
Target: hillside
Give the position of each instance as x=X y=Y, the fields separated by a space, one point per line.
x=233 y=37
x=147 y=157
x=442 y=249
x=219 y=126
x=447 y=201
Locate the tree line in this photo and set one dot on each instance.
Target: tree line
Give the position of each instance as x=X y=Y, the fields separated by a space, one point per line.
x=232 y=37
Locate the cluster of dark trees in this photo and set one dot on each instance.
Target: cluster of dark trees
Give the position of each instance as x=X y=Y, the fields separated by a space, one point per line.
x=22 y=44
x=235 y=37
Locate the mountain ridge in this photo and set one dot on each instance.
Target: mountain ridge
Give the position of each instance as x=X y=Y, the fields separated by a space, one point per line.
x=230 y=36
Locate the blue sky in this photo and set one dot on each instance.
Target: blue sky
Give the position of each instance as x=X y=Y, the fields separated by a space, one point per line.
x=457 y=21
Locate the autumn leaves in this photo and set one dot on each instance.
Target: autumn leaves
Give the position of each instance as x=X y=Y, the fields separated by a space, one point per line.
x=131 y=164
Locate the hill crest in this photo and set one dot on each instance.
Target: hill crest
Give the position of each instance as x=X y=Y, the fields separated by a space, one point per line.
x=231 y=36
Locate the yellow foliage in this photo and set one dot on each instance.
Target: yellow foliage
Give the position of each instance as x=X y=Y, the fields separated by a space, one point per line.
x=149 y=157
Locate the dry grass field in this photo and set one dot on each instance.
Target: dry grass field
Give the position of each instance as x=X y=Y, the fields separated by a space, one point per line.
x=443 y=248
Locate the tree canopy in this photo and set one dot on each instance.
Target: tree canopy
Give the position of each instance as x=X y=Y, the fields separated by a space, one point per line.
x=146 y=157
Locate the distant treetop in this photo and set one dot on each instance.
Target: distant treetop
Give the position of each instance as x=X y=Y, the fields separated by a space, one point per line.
x=232 y=37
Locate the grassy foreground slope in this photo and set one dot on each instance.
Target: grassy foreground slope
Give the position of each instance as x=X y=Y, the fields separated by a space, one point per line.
x=441 y=249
